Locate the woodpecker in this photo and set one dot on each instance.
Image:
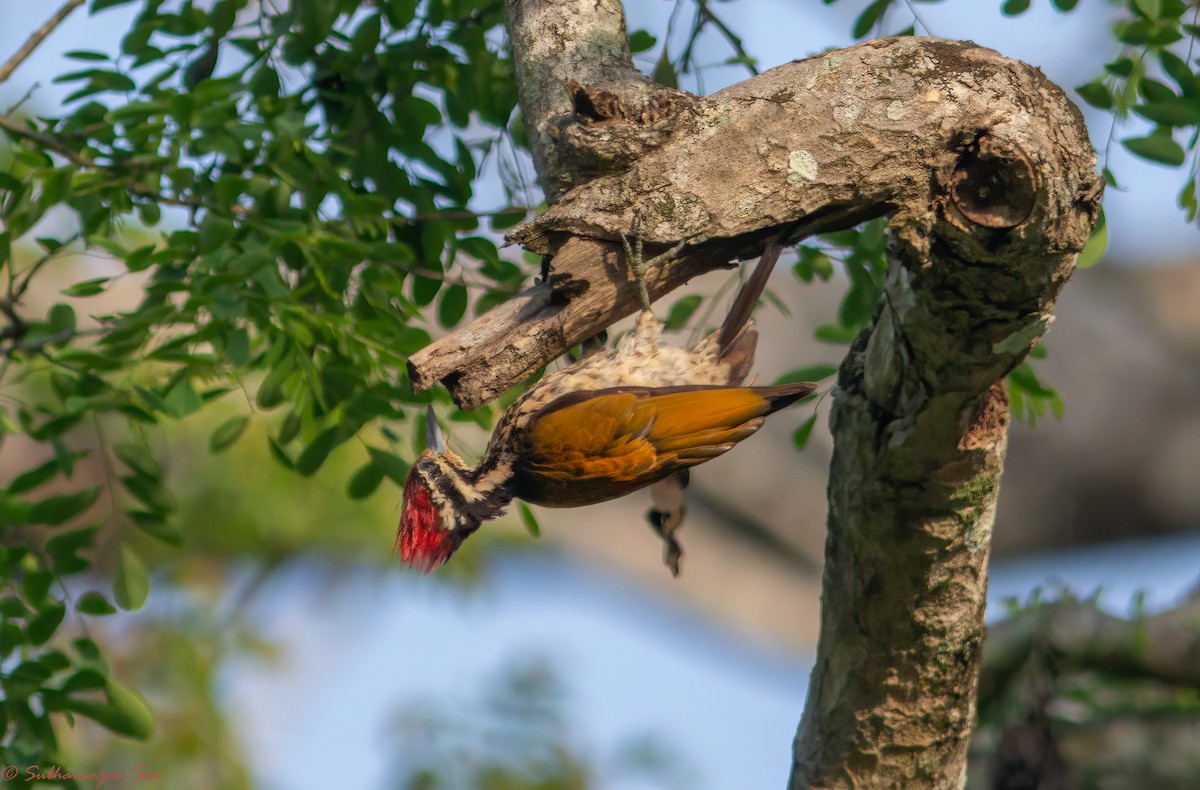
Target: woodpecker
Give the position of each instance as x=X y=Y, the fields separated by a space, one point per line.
x=601 y=428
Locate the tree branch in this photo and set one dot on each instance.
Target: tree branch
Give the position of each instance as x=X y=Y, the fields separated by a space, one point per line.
x=20 y=130
x=920 y=419
x=987 y=174
x=1079 y=636
x=572 y=61
x=590 y=288
x=37 y=38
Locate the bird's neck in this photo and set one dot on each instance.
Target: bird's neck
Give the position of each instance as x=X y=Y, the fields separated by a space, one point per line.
x=483 y=491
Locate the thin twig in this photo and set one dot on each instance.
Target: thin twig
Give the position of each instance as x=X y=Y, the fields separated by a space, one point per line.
x=917 y=20
x=17 y=290
x=21 y=101
x=18 y=129
x=58 y=337
x=37 y=38
x=704 y=16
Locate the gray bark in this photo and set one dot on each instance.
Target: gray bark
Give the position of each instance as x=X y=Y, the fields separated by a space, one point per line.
x=987 y=175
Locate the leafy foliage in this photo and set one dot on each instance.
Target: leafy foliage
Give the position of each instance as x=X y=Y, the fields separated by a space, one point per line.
x=512 y=737
x=286 y=190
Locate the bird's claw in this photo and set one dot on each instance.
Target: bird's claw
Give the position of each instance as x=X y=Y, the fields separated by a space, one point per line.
x=665 y=525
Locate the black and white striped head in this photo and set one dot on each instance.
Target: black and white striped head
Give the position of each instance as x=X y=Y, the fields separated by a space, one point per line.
x=435 y=517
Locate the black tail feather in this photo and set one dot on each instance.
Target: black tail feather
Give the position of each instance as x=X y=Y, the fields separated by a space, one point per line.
x=783 y=395
x=747 y=298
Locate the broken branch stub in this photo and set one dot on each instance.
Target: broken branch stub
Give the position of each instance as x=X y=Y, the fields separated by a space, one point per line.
x=916 y=128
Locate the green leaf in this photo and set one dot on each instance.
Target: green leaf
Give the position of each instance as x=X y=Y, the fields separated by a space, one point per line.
x=1014 y=7
x=641 y=41
x=1188 y=199
x=36 y=585
x=11 y=606
x=214 y=233
x=100 y=5
x=150 y=215
x=1176 y=112
x=364 y=481
x=869 y=17
x=94 y=603
x=140 y=460
x=481 y=248
x=801 y=435
x=11 y=637
x=1159 y=148
x=86 y=648
x=125 y=712
x=182 y=400
x=237 y=347
x=682 y=311
x=425 y=289
x=58 y=509
x=366 y=36
x=42 y=473
x=393 y=466
x=1179 y=72
x=1143 y=32
x=1097 y=94
x=453 y=306
x=132 y=709
x=227 y=433
x=834 y=333
x=1093 y=251
x=85 y=54
x=131 y=582
x=506 y=219
x=1024 y=378
x=87 y=287
x=529 y=520
x=289 y=428
x=318 y=450
x=1064 y=5
x=156 y=526
x=807 y=373
x=63 y=549
x=61 y=319
x=1152 y=9
x=664 y=71
x=279 y=454
x=45 y=623
x=149 y=492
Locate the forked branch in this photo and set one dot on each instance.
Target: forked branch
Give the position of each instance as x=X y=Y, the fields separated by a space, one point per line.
x=987 y=175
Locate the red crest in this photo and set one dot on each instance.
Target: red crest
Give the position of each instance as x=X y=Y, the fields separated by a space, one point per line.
x=421 y=540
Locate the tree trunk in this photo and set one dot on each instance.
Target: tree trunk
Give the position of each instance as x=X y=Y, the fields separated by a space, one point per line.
x=988 y=179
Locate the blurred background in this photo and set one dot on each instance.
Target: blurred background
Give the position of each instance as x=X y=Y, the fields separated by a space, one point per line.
x=283 y=648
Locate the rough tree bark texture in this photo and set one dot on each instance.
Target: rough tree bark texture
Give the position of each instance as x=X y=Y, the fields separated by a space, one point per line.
x=987 y=175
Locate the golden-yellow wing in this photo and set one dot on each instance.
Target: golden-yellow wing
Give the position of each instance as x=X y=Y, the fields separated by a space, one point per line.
x=588 y=447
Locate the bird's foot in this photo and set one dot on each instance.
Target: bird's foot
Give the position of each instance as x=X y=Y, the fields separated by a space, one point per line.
x=634 y=258
x=666 y=516
x=665 y=524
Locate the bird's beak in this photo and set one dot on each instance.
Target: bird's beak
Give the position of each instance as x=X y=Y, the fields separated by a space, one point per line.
x=434 y=440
